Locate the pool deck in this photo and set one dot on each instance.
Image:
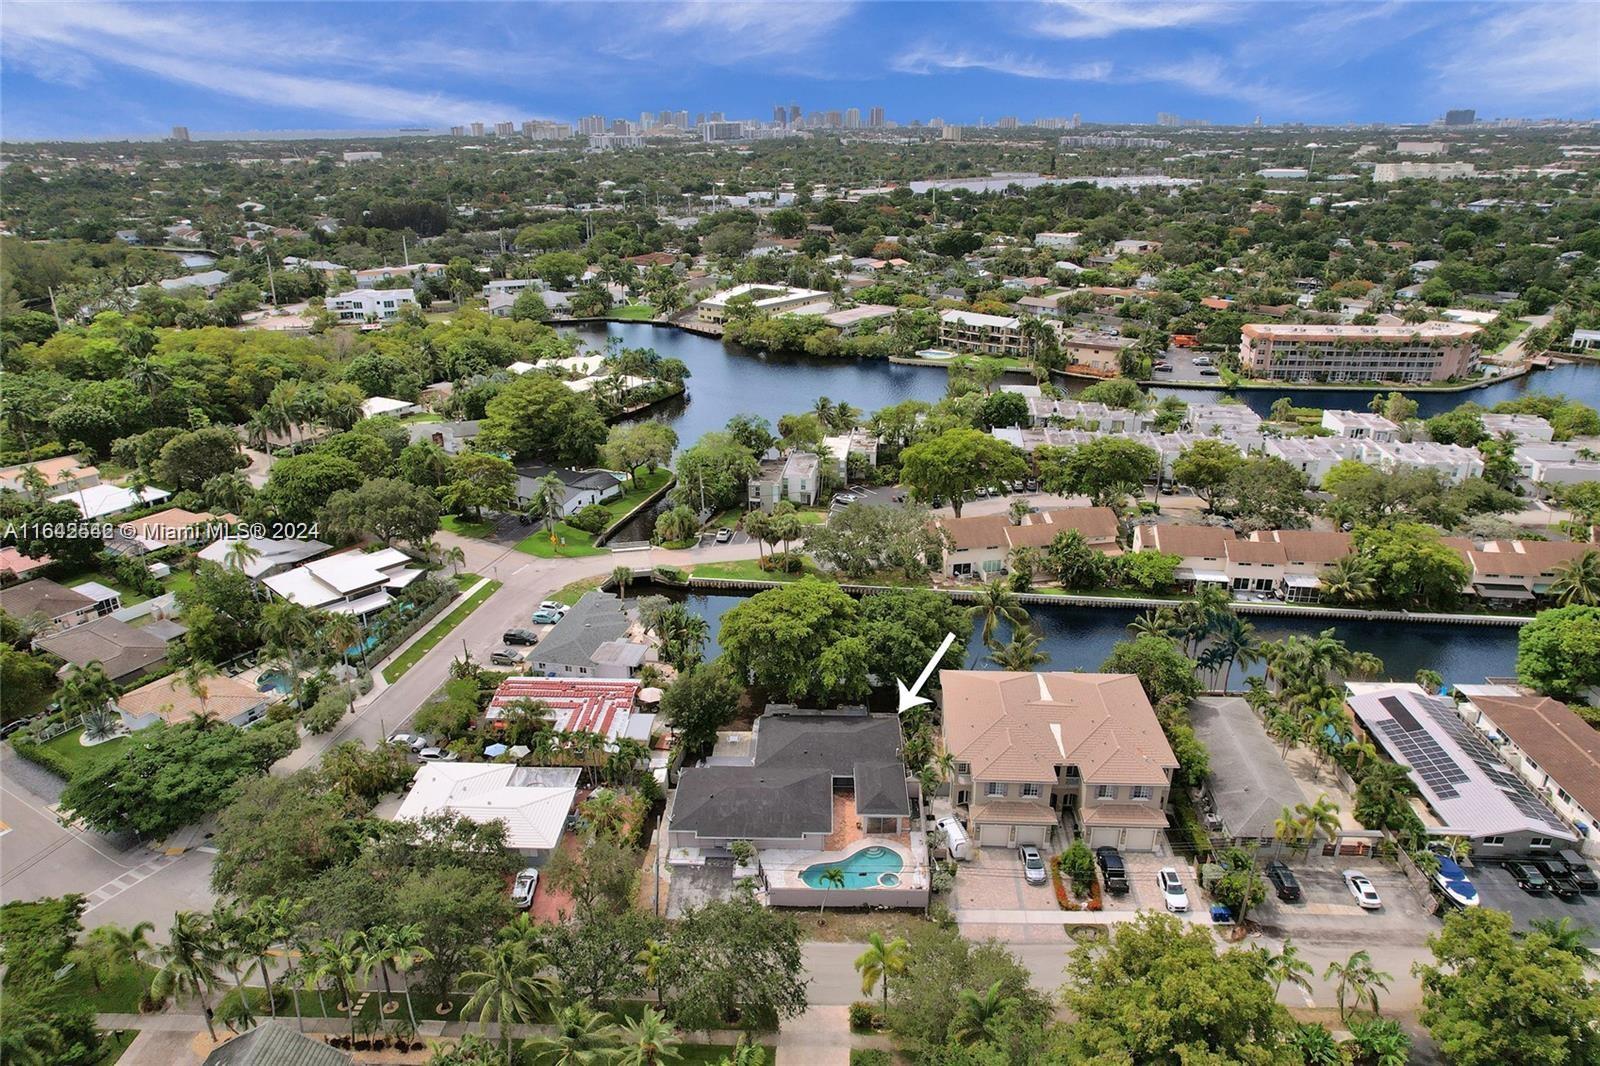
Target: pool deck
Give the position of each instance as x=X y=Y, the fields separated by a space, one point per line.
x=784 y=869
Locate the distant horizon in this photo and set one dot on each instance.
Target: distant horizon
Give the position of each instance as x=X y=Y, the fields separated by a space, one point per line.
x=96 y=70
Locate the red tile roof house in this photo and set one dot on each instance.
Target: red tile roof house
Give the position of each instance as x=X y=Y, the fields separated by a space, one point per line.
x=980 y=546
x=590 y=705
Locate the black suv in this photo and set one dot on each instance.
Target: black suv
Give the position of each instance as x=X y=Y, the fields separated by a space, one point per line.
x=1528 y=878
x=1113 y=870
x=520 y=636
x=1283 y=881
x=1563 y=879
x=1582 y=872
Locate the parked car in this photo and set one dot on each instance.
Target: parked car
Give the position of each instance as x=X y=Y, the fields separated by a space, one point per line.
x=1202 y=360
x=1161 y=368
x=414 y=741
x=845 y=497
x=1209 y=372
x=1283 y=881
x=523 y=887
x=1582 y=872
x=519 y=636
x=506 y=657
x=724 y=536
x=1113 y=871
x=1562 y=880
x=437 y=755
x=1367 y=897
x=1172 y=893
x=12 y=726
x=554 y=605
x=1528 y=878
x=1454 y=883
x=542 y=617
x=1032 y=865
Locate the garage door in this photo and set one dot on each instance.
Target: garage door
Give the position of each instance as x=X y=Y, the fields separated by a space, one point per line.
x=1031 y=834
x=1103 y=837
x=991 y=835
x=1139 y=840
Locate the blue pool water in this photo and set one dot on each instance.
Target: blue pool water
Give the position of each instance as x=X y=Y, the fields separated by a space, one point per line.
x=273 y=681
x=862 y=869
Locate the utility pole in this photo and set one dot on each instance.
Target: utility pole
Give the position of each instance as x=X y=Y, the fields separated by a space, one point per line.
x=53 y=309
x=271 y=284
x=405 y=250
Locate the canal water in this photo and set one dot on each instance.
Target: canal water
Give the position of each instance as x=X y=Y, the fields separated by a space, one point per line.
x=727 y=380
x=1080 y=638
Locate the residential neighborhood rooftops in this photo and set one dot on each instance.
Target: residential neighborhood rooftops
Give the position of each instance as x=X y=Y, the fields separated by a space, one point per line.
x=121 y=648
x=274 y=1043
x=532 y=801
x=1097 y=524
x=592 y=705
x=784 y=802
x=1563 y=745
x=97 y=501
x=266 y=554
x=174 y=701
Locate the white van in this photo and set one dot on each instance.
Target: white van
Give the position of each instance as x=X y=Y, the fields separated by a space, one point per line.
x=956 y=833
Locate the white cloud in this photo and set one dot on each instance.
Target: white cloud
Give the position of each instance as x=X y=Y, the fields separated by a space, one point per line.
x=1545 y=55
x=1089 y=19
x=933 y=59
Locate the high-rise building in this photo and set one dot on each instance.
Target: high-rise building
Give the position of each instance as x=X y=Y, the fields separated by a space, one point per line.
x=936 y=123
x=794 y=114
x=1166 y=118
x=589 y=125
x=852 y=118
x=680 y=119
x=477 y=129
x=646 y=120
x=180 y=134
x=722 y=131
x=715 y=116
x=664 y=119
x=834 y=119
x=875 y=118
x=622 y=125
x=699 y=118
x=1460 y=116
x=537 y=130
x=780 y=116
x=951 y=133
x=1007 y=122
x=505 y=129
x=1077 y=120
x=458 y=131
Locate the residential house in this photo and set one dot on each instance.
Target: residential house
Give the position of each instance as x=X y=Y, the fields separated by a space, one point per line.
x=1305 y=555
x=67 y=472
x=597 y=637
x=174 y=526
x=453 y=437
x=1360 y=425
x=980 y=546
x=174 y=701
x=1312 y=456
x=14 y=566
x=275 y=1043
x=1095 y=350
x=532 y=802
x=1520 y=571
x=262 y=556
x=795 y=477
x=609 y=707
x=1202 y=550
x=1524 y=429
x=1080 y=415
x=369 y=278
x=840 y=447
x=864 y=317
x=1034 y=751
x=369 y=305
x=100 y=501
x=1065 y=241
x=54 y=606
x=373 y=406
x=353 y=582
x=1454 y=462
x=1555 y=751
x=1230 y=421
x=126 y=652
x=583 y=487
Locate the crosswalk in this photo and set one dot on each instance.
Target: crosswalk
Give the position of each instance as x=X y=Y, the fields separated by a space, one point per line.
x=117 y=886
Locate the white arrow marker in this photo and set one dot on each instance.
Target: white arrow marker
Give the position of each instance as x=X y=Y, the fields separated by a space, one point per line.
x=908 y=696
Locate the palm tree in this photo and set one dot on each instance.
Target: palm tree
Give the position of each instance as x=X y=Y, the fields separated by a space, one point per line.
x=1320 y=817
x=606 y=814
x=1157 y=623
x=622 y=577
x=548 y=499
x=653 y=959
x=1288 y=829
x=195 y=677
x=583 y=1037
x=1567 y=937
x=267 y=923
x=1577 y=581
x=1347 y=580
x=1234 y=640
x=1287 y=965
x=1358 y=982
x=453 y=557
x=1021 y=652
x=977 y=1013
x=240 y=554
x=823 y=408
x=404 y=951
x=128 y=947
x=996 y=603
x=647 y=1040
x=288 y=629
x=509 y=986
x=341 y=960
x=880 y=961
x=338 y=633
x=188 y=963
x=832 y=877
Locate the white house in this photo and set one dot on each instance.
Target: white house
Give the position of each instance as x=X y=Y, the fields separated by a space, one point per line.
x=1056 y=240
x=369 y=305
x=373 y=406
x=1359 y=425
x=353 y=582
x=531 y=801
x=97 y=501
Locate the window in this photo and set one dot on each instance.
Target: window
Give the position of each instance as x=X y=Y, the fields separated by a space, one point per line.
x=963 y=768
x=1072 y=772
x=1564 y=795
x=1540 y=842
x=994 y=788
x=1030 y=791
x=1140 y=792
x=1494 y=842
x=1105 y=792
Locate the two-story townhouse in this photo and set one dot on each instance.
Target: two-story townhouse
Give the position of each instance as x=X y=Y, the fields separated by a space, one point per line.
x=1203 y=551
x=1520 y=570
x=1306 y=553
x=1360 y=425
x=1037 y=751
x=980 y=546
x=1553 y=750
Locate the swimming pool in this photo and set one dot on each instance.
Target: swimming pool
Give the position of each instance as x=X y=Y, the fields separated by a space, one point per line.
x=870 y=867
x=273 y=681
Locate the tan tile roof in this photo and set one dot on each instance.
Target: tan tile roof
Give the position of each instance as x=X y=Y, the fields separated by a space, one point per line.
x=1546 y=555
x=1309 y=546
x=1013 y=812
x=1122 y=814
x=1209 y=542
x=54 y=471
x=1259 y=552
x=171 y=698
x=1097 y=524
x=1021 y=726
x=1564 y=745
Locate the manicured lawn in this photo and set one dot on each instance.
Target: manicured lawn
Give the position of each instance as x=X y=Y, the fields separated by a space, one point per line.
x=465 y=581
x=425 y=416
x=570 y=543
x=466 y=527
x=129 y=597
x=429 y=640
x=179 y=581
x=79 y=758
x=632 y=497
x=747 y=570
x=632 y=313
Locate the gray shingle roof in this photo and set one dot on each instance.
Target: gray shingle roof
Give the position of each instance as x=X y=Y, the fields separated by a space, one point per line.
x=596 y=619
x=881 y=789
x=837 y=742
x=754 y=801
x=276 y=1044
x=42 y=596
x=122 y=649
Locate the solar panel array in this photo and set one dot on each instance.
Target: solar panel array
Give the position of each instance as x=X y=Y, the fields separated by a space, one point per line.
x=1418 y=750
x=1488 y=760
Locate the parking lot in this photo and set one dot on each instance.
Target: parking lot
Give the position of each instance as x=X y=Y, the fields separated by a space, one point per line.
x=1184 y=367
x=1497 y=889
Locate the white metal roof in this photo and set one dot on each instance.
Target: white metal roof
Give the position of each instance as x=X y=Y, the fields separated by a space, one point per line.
x=532 y=801
x=97 y=501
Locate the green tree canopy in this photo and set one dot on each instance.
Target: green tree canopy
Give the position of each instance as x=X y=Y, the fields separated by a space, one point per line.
x=538 y=416
x=958 y=461
x=800 y=642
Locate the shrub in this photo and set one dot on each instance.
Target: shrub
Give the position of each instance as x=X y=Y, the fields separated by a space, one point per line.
x=862 y=1015
x=1077 y=863
x=326 y=712
x=672 y=574
x=870 y=1056
x=790 y=562
x=40 y=755
x=1063 y=900
x=590 y=519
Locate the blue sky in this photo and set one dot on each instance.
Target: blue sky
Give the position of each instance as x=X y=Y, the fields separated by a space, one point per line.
x=88 y=69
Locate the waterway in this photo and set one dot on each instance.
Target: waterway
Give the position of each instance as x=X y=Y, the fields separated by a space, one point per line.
x=727 y=380
x=1080 y=638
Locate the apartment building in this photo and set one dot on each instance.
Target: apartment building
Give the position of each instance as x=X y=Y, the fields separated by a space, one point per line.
x=1430 y=351
x=1519 y=571
x=1360 y=425
x=980 y=546
x=1066 y=241
x=1094 y=416
x=765 y=299
x=1038 y=751
x=369 y=305
x=1552 y=749
x=968 y=331
x=367 y=279
x=1202 y=550
x=842 y=446
x=1231 y=421
x=1385 y=173
x=1453 y=461
x=1312 y=456
x=795 y=477
x=1098 y=351
x=1524 y=429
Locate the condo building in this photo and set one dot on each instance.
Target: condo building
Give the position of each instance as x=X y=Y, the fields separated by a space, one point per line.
x=1431 y=351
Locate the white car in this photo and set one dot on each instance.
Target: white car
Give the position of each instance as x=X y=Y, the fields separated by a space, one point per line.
x=410 y=740
x=1172 y=893
x=437 y=755
x=523 y=887
x=552 y=605
x=1366 y=896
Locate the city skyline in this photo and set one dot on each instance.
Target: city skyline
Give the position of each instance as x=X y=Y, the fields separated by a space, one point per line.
x=78 y=71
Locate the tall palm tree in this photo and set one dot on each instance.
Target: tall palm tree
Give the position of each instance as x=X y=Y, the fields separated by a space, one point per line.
x=648 y=1040
x=1347 y=580
x=403 y=950
x=1577 y=581
x=240 y=554
x=652 y=959
x=1021 y=652
x=605 y=813
x=1288 y=829
x=996 y=603
x=339 y=959
x=288 y=629
x=1319 y=817
x=583 y=1037
x=549 y=497
x=622 y=577
x=87 y=693
x=129 y=946
x=879 y=962
x=509 y=986
x=1358 y=981
x=1234 y=640
x=977 y=1013
x=265 y=925
x=1287 y=965
x=832 y=877
x=188 y=963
